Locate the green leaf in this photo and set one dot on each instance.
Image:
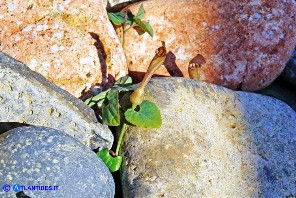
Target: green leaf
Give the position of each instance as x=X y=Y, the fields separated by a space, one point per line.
x=116 y=18
x=124 y=84
x=148 y=116
x=124 y=81
x=144 y=25
x=128 y=88
x=141 y=12
x=97 y=99
x=110 y=111
x=113 y=163
x=148 y=28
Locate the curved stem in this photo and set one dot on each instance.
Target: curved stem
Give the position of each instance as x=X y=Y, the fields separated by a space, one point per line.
x=121 y=135
x=138 y=95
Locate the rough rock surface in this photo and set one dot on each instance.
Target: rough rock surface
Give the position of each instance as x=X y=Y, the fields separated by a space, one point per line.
x=43 y=156
x=245 y=43
x=213 y=142
x=27 y=97
x=289 y=73
x=71 y=43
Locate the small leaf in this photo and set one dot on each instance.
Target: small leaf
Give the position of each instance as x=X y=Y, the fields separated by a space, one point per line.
x=128 y=88
x=124 y=84
x=97 y=99
x=141 y=12
x=116 y=18
x=113 y=163
x=148 y=116
x=148 y=29
x=124 y=81
x=144 y=25
x=110 y=112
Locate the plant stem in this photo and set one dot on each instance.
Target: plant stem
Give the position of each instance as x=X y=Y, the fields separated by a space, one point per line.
x=123 y=35
x=121 y=135
x=128 y=28
x=123 y=29
x=138 y=95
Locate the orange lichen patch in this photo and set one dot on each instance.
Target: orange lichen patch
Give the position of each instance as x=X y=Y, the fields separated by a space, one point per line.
x=71 y=43
x=245 y=43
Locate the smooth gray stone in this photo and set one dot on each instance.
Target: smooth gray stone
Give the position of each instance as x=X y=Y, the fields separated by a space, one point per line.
x=44 y=156
x=213 y=142
x=28 y=97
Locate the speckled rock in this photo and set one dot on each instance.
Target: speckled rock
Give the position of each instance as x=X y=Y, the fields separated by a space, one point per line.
x=246 y=44
x=213 y=142
x=71 y=43
x=27 y=97
x=41 y=156
x=289 y=73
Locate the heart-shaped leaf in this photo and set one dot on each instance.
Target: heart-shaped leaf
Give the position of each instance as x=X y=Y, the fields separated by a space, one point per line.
x=113 y=163
x=116 y=18
x=110 y=111
x=148 y=115
x=97 y=99
x=144 y=25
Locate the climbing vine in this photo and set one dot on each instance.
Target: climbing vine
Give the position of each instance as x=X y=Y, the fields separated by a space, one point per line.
x=141 y=113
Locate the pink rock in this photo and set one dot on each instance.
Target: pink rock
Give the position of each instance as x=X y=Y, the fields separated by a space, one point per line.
x=245 y=43
x=71 y=43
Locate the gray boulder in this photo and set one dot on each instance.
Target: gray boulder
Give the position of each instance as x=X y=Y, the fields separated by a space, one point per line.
x=41 y=156
x=27 y=97
x=213 y=142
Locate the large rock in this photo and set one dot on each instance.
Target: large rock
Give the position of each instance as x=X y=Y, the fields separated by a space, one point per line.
x=213 y=142
x=40 y=156
x=27 y=97
x=246 y=44
x=71 y=43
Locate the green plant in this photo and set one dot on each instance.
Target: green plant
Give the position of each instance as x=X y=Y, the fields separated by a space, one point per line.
x=142 y=113
x=128 y=20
